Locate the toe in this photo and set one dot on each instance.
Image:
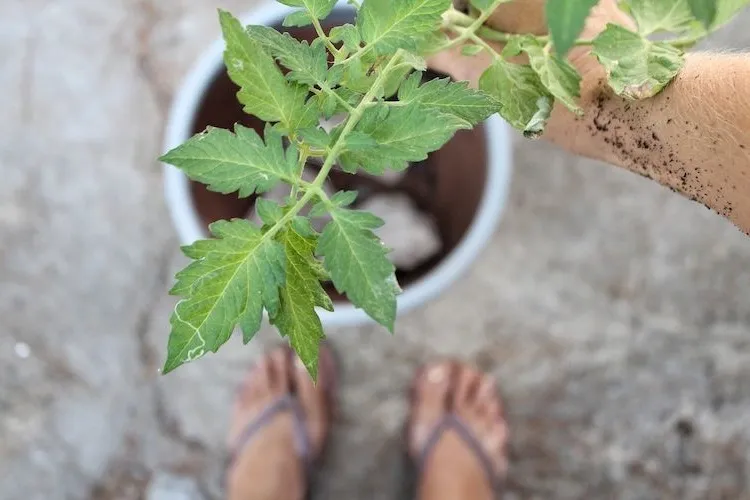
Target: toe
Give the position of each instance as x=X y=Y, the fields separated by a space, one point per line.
x=279 y=363
x=312 y=397
x=468 y=381
x=429 y=402
x=485 y=397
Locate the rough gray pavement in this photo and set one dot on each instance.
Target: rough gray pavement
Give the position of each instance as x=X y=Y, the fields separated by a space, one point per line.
x=615 y=314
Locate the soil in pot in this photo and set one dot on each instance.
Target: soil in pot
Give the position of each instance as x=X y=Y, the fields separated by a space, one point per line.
x=441 y=193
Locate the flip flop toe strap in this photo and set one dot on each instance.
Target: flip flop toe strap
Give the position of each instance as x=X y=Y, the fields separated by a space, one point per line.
x=456 y=424
x=286 y=403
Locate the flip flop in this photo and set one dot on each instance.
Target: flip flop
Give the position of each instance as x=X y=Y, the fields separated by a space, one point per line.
x=449 y=422
x=291 y=404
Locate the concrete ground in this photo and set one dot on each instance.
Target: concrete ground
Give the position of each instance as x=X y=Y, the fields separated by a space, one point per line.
x=615 y=314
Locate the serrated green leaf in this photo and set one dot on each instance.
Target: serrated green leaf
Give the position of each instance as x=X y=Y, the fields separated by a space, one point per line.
x=653 y=16
x=341 y=199
x=557 y=75
x=389 y=25
x=427 y=43
x=327 y=105
x=318 y=8
x=704 y=11
x=357 y=141
x=514 y=46
x=471 y=50
x=453 y=98
x=566 y=19
x=264 y=91
x=726 y=10
x=308 y=64
x=315 y=137
x=393 y=81
x=269 y=211
x=236 y=276
x=301 y=294
x=348 y=34
x=636 y=67
x=402 y=134
x=298 y=19
x=357 y=76
x=229 y=162
x=358 y=264
x=524 y=101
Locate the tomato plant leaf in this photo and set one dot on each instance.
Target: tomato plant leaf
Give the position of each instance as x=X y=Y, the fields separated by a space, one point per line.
x=662 y=15
x=556 y=74
x=401 y=134
x=318 y=8
x=389 y=25
x=726 y=10
x=233 y=278
x=637 y=68
x=308 y=64
x=471 y=50
x=348 y=35
x=299 y=19
x=704 y=11
x=264 y=91
x=523 y=100
x=301 y=294
x=453 y=98
x=566 y=19
x=358 y=263
x=228 y=162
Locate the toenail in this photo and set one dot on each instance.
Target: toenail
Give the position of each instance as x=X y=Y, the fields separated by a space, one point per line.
x=436 y=374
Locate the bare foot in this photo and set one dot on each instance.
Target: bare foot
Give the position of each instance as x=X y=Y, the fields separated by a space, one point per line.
x=452 y=469
x=271 y=465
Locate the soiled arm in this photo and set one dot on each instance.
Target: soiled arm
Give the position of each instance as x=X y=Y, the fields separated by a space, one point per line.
x=694 y=137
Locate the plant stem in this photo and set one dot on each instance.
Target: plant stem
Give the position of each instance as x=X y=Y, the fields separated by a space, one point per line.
x=304 y=153
x=453 y=17
x=321 y=34
x=316 y=188
x=479 y=41
x=472 y=28
x=465 y=25
x=328 y=90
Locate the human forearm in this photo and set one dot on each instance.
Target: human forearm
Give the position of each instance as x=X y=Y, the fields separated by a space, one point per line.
x=694 y=137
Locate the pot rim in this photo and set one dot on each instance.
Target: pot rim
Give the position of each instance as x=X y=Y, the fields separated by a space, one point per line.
x=189 y=227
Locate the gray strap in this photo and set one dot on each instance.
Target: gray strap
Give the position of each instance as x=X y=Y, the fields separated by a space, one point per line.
x=301 y=438
x=455 y=423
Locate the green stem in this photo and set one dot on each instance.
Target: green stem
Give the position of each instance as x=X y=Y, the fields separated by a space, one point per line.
x=479 y=41
x=341 y=101
x=353 y=119
x=472 y=28
x=321 y=34
x=304 y=153
x=453 y=17
x=465 y=25
x=316 y=188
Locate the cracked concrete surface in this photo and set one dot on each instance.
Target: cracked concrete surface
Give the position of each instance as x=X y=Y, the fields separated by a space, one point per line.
x=615 y=314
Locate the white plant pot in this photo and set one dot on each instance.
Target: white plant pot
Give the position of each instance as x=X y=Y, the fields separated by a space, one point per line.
x=455 y=264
